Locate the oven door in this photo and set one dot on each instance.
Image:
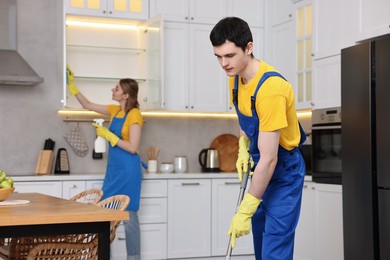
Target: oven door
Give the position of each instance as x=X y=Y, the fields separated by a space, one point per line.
x=326 y=145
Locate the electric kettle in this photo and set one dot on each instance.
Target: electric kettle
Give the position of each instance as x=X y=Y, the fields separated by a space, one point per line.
x=209 y=160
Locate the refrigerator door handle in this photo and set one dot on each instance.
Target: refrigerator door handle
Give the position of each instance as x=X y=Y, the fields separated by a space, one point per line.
x=325 y=127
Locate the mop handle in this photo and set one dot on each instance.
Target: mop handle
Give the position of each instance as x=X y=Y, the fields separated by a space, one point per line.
x=244 y=182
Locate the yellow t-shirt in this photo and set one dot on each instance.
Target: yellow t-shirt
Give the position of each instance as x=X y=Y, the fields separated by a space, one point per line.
x=134 y=117
x=275 y=105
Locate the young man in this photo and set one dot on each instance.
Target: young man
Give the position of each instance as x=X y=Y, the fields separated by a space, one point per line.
x=270 y=134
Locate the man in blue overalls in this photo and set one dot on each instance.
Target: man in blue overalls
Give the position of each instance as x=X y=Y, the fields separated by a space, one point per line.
x=270 y=131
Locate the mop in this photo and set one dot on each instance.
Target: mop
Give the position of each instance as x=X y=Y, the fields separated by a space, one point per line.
x=244 y=182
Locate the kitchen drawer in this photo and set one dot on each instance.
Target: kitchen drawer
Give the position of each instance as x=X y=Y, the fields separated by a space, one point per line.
x=52 y=188
x=72 y=188
x=154 y=188
x=153 y=242
x=153 y=210
x=97 y=184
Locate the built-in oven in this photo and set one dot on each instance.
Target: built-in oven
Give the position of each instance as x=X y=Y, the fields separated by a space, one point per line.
x=326 y=145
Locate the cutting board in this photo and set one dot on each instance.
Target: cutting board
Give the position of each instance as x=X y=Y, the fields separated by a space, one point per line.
x=227 y=146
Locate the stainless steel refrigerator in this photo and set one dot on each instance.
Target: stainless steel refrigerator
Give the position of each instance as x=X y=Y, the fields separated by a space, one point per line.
x=365 y=106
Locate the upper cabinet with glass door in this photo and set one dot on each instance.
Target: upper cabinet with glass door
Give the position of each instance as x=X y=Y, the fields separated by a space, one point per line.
x=129 y=9
x=101 y=51
x=303 y=89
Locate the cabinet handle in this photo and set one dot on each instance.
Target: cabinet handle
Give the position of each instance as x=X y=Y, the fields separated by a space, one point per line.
x=290 y=15
x=186 y=18
x=232 y=182
x=192 y=107
x=121 y=238
x=74 y=186
x=190 y=183
x=186 y=107
x=110 y=12
x=145 y=99
x=313 y=188
x=104 y=12
x=192 y=18
x=305 y=186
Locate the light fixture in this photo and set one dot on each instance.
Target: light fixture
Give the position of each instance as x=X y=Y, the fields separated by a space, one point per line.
x=102 y=25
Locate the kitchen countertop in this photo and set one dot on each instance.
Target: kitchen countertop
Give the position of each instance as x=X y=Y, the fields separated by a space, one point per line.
x=146 y=176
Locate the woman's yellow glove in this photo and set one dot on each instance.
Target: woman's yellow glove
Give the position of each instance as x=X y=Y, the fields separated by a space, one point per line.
x=70 y=81
x=242 y=220
x=243 y=156
x=106 y=134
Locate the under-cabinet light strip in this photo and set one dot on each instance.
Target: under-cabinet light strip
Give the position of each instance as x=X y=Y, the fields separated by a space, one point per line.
x=102 y=25
x=69 y=114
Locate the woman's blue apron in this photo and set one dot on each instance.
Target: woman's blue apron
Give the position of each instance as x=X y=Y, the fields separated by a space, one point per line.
x=124 y=174
x=274 y=223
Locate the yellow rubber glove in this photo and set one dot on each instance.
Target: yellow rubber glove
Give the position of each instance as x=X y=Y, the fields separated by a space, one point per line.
x=70 y=82
x=243 y=156
x=242 y=220
x=106 y=134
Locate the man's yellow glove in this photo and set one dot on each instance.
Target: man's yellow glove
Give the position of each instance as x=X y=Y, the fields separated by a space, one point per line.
x=242 y=220
x=106 y=134
x=70 y=81
x=243 y=156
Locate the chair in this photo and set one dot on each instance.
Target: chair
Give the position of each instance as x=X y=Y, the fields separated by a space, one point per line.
x=87 y=248
x=118 y=202
x=91 y=196
x=18 y=248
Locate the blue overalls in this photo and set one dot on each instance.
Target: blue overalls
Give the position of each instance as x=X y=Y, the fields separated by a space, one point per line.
x=274 y=222
x=124 y=174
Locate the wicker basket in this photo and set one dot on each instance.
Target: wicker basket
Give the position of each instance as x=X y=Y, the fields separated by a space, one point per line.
x=5 y=193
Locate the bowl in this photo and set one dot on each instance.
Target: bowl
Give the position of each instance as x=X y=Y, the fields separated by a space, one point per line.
x=5 y=193
x=166 y=167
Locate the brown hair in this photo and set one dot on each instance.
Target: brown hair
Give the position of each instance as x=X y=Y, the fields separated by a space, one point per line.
x=130 y=87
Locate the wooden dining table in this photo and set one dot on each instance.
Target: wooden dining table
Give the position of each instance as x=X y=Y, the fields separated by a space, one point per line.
x=38 y=214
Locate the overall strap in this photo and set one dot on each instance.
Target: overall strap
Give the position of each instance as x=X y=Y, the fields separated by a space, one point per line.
x=261 y=81
x=235 y=91
x=253 y=100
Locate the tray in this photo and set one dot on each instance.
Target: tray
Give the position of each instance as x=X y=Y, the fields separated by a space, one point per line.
x=13 y=202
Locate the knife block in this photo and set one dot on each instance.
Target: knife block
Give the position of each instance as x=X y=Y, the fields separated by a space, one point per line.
x=44 y=163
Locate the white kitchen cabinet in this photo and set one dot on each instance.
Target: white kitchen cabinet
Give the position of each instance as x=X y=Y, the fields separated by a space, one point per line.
x=95 y=184
x=252 y=11
x=193 y=78
x=72 y=188
x=305 y=246
x=303 y=45
x=373 y=18
x=283 y=51
x=223 y=203
x=330 y=222
x=319 y=234
x=52 y=188
x=189 y=218
x=129 y=9
x=327 y=82
x=281 y=11
x=110 y=50
x=334 y=26
x=152 y=216
x=153 y=242
x=197 y=11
